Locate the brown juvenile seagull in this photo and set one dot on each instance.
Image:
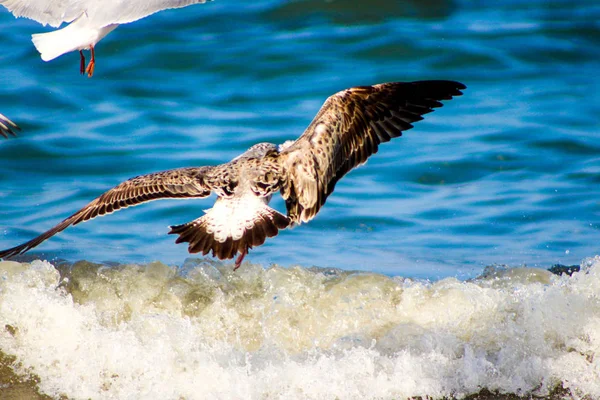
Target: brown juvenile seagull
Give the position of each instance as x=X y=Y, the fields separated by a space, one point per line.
x=347 y=129
x=7 y=127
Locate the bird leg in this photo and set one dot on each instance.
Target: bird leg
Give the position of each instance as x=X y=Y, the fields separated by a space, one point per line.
x=238 y=261
x=81 y=62
x=90 y=67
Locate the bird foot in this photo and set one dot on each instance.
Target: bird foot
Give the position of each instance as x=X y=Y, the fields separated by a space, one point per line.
x=81 y=63
x=90 y=69
x=239 y=259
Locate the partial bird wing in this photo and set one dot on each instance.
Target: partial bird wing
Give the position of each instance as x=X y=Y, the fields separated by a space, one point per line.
x=173 y=184
x=124 y=12
x=347 y=129
x=100 y=13
x=7 y=127
x=47 y=12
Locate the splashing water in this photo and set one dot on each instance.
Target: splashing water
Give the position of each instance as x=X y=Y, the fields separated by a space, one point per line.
x=203 y=332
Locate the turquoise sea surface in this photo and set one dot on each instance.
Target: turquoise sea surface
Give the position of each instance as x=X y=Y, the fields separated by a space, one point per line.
x=507 y=174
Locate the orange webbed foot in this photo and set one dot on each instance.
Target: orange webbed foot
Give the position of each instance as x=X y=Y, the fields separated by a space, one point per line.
x=90 y=68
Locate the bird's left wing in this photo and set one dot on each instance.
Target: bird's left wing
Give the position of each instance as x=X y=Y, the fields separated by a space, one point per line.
x=7 y=127
x=173 y=184
x=347 y=129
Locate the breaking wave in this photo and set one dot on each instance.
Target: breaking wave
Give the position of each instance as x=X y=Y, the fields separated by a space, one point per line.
x=202 y=331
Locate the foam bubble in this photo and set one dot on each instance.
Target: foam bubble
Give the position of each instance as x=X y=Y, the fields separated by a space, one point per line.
x=204 y=332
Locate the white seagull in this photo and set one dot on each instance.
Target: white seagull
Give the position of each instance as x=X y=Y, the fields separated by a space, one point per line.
x=89 y=21
x=7 y=127
x=347 y=129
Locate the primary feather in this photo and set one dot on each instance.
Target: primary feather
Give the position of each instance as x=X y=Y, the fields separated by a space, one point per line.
x=7 y=127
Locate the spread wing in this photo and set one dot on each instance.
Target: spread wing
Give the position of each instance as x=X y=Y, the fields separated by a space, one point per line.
x=128 y=11
x=102 y=13
x=47 y=12
x=173 y=184
x=347 y=129
x=7 y=127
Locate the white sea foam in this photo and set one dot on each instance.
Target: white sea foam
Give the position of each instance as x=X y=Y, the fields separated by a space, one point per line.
x=204 y=332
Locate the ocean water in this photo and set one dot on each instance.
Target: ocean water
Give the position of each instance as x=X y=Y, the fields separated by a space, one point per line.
x=386 y=293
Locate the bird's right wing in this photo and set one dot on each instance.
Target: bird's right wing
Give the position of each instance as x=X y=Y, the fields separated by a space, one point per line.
x=7 y=127
x=347 y=130
x=128 y=11
x=173 y=184
x=47 y=12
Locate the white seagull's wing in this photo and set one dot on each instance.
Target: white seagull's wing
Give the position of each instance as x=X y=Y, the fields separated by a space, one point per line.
x=100 y=12
x=47 y=12
x=347 y=129
x=123 y=12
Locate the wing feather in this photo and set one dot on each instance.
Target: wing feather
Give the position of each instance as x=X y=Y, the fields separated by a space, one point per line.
x=177 y=183
x=100 y=13
x=133 y=10
x=7 y=127
x=347 y=130
x=47 y=12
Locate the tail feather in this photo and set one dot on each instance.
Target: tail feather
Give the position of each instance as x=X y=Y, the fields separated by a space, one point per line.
x=200 y=234
x=78 y=35
x=55 y=43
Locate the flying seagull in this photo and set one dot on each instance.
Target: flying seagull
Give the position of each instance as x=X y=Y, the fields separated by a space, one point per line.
x=7 y=127
x=89 y=21
x=347 y=129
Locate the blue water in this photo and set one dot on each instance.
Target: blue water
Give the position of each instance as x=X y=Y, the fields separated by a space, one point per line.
x=509 y=173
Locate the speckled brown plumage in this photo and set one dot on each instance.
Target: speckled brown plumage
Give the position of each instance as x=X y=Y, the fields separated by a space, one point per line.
x=347 y=130
x=197 y=233
x=178 y=183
